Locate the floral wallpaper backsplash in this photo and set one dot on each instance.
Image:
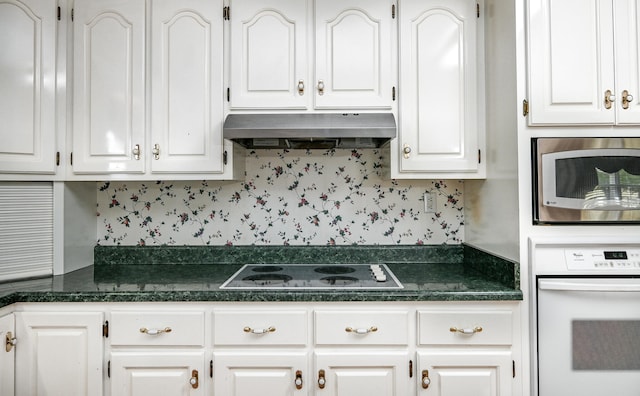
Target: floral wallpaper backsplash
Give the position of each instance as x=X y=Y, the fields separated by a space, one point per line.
x=297 y=197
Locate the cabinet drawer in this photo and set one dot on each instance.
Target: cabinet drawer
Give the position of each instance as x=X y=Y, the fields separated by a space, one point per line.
x=361 y=327
x=157 y=328
x=464 y=327
x=260 y=328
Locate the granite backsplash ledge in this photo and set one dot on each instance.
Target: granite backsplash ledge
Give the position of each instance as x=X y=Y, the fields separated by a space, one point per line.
x=491 y=267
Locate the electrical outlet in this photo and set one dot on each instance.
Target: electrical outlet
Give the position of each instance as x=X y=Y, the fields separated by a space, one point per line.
x=429 y=202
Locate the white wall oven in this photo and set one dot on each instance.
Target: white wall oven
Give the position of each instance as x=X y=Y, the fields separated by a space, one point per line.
x=586 y=322
x=586 y=180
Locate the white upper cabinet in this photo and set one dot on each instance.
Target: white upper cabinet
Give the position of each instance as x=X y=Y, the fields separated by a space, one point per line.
x=27 y=86
x=148 y=105
x=583 y=67
x=109 y=86
x=441 y=122
x=353 y=54
x=268 y=54
x=186 y=72
x=273 y=66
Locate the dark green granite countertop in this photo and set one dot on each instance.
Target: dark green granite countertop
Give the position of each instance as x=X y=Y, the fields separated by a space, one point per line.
x=140 y=274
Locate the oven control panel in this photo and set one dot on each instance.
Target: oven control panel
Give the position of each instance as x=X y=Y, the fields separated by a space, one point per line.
x=599 y=259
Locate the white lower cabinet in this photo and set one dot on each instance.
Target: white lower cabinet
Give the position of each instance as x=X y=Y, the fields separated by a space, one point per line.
x=7 y=366
x=270 y=348
x=59 y=353
x=157 y=352
x=260 y=352
x=465 y=352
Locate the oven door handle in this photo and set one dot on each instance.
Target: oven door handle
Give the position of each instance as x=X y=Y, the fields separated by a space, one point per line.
x=582 y=286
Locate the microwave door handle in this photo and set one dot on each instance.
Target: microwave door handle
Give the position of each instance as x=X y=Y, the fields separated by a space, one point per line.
x=596 y=287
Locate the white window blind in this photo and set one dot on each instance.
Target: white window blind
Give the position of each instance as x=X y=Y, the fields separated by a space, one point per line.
x=26 y=229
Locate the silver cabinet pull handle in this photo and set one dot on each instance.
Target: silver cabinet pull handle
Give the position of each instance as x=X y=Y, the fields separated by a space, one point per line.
x=371 y=329
x=144 y=330
x=156 y=151
x=474 y=330
x=269 y=329
x=320 y=87
x=301 y=87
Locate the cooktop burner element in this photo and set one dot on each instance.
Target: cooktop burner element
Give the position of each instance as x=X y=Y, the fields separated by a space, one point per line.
x=313 y=276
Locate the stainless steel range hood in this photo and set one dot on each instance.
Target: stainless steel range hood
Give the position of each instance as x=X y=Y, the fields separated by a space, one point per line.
x=310 y=131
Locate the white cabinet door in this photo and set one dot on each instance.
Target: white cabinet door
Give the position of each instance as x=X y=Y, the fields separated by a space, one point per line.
x=109 y=87
x=441 y=128
x=363 y=373
x=167 y=373
x=627 y=68
x=353 y=54
x=269 y=54
x=186 y=71
x=7 y=357
x=571 y=61
x=464 y=372
x=248 y=373
x=27 y=86
x=60 y=353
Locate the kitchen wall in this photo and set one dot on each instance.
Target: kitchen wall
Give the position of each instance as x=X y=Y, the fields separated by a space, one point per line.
x=295 y=197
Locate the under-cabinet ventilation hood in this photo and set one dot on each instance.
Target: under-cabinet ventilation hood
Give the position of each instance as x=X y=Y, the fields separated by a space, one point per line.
x=310 y=131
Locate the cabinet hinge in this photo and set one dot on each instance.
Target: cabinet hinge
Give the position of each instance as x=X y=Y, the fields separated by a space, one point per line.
x=109 y=369
x=105 y=329
x=224 y=157
x=72 y=11
x=393 y=94
x=525 y=107
x=211 y=368
x=478 y=10
x=393 y=11
x=479 y=156
x=59 y=13
x=57 y=158
x=514 y=368
x=410 y=368
x=226 y=13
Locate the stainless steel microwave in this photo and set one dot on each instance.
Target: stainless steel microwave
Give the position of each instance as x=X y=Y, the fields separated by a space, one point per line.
x=586 y=180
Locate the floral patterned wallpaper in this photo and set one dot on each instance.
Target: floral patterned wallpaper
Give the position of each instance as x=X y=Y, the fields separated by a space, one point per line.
x=297 y=197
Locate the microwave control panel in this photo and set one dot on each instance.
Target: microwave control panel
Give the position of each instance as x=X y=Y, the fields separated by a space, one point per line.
x=604 y=260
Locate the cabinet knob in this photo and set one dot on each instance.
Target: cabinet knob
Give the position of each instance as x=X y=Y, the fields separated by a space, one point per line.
x=609 y=98
x=426 y=381
x=320 y=87
x=136 y=152
x=301 y=87
x=9 y=341
x=626 y=99
x=156 y=151
x=298 y=380
x=406 y=151
x=321 y=380
x=194 y=379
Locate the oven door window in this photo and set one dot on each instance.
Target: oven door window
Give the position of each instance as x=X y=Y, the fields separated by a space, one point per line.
x=605 y=344
x=588 y=336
